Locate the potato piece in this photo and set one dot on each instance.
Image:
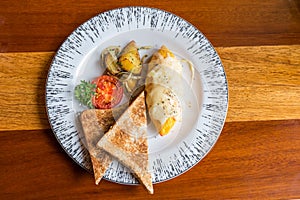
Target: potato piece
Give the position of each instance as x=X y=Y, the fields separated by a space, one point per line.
x=130 y=60
x=111 y=64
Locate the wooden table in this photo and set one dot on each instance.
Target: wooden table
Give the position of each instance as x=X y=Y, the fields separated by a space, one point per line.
x=258 y=153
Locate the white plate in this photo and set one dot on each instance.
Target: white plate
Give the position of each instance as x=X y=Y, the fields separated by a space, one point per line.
x=204 y=104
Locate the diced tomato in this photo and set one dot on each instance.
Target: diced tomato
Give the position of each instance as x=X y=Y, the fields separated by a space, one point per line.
x=109 y=92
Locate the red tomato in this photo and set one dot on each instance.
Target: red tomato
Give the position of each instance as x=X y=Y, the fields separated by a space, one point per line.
x=109 y=92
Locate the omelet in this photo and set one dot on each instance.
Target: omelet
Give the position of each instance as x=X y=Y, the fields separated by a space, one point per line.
x=163 y=89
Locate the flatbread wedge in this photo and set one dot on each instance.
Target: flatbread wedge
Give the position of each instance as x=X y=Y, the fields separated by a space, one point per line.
x=127 y=141
x=95 y=122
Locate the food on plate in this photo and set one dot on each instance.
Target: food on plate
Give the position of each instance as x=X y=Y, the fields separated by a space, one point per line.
x=125 y=64
x=101 y=96
x=108 y=93
x=130 y=60
x=163 y=86
x=111 y=62
x=95 y=122
x=123 y=74
x=84 y=93
x=120 y=131
x=127 y=141
x=103 y=92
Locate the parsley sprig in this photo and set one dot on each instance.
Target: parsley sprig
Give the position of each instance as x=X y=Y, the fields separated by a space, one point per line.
x=84 y=93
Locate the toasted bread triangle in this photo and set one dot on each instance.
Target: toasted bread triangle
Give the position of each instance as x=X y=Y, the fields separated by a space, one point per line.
x=95 y=122
x=127 y=141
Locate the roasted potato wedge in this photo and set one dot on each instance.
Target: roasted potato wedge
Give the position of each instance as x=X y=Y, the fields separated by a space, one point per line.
x=129 y=59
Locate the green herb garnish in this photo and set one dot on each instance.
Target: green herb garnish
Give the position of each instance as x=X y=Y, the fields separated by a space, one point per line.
x=84 y=93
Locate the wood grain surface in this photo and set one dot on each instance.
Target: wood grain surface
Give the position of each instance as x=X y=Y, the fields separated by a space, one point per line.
x=251 y=160
x=258 y=153
x=43 y=25
x=263 y=85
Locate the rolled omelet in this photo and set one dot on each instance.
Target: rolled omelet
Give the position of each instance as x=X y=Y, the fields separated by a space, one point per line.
x=163 y=88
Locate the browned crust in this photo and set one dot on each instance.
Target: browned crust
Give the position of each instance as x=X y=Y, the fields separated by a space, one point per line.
x=127 y=141
x=95 y=123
